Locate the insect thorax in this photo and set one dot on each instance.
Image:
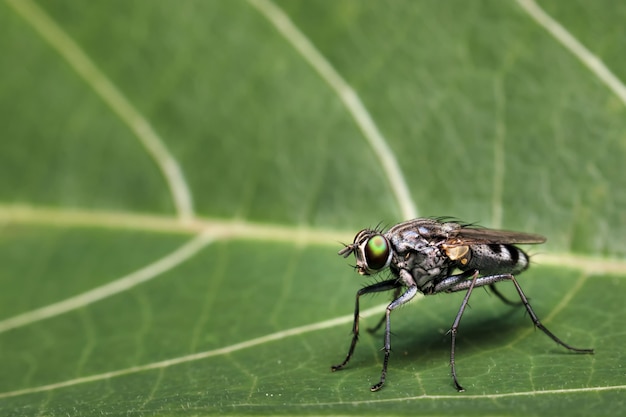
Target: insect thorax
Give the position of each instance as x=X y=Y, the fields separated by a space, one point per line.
x=425 y=262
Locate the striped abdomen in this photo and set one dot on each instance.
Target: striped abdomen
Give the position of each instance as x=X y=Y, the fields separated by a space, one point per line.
x=496 y=258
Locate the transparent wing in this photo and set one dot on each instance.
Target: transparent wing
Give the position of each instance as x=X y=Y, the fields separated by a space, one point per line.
x=468 y=235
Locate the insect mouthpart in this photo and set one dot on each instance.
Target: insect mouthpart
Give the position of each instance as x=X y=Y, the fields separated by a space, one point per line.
x=362 y=270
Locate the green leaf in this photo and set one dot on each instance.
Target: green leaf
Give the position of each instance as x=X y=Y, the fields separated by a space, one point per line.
x=176 y=178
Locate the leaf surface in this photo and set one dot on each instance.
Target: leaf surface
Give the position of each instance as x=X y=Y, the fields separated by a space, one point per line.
x=175 y=179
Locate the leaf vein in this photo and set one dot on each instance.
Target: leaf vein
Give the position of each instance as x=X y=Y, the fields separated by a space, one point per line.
x=127 y=282
x=561 y=34
x=350 y=99
x=200 y=355
x=113 y=97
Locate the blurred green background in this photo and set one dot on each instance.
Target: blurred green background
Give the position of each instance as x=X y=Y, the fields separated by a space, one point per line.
x=131 y=128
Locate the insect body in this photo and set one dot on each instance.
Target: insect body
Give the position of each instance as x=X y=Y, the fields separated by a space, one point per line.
x=422 y=255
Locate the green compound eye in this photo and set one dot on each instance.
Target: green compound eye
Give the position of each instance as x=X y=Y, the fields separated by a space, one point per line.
x=376 y=252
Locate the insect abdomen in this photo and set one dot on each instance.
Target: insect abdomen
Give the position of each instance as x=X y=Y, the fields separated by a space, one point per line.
x=497 y=259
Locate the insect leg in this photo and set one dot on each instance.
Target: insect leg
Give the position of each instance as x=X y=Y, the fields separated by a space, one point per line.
x=455 y=327
x=501 y=296
x=450 y=283
x=374 y=329
x=404 y=298
x=538 y=324
x=492 y=279
x=378 y=287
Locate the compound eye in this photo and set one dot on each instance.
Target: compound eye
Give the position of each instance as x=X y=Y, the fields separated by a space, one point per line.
x=376 y=252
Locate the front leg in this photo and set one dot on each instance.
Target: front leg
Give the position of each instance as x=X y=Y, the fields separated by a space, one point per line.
x=378 y=325
x=378 y=287
x=404 y=298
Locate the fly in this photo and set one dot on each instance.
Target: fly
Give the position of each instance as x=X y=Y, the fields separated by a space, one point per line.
x=422 y=255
